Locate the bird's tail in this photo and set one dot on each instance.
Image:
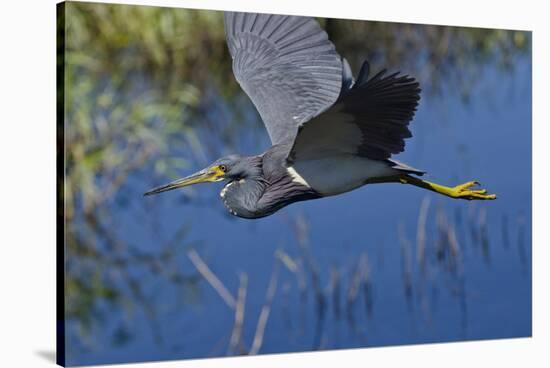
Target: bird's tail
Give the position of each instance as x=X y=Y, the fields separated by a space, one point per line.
x=405 y=168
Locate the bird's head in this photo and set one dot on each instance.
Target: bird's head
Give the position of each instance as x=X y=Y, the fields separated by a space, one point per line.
x=230 y=168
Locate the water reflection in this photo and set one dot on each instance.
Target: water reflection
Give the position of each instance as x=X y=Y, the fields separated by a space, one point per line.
x=179 y=278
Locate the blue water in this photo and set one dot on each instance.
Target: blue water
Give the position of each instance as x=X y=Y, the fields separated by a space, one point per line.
x=482 y=292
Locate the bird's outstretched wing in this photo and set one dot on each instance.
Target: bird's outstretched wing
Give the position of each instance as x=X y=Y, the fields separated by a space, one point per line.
x=286 y=65
x=370 y=119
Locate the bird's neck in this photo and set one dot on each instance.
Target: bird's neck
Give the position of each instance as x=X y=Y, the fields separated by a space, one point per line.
x=242 y=194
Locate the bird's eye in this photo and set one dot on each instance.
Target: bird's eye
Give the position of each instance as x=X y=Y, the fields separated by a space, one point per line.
x=223 y=168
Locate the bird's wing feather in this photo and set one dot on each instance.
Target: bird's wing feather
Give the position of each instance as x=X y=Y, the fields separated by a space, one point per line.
x=286 y=65
x=370 y=119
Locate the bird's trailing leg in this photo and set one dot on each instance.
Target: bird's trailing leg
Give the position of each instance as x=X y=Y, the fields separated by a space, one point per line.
x=461 y=191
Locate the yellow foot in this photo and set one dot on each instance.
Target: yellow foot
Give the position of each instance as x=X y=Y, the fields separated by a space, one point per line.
x=463 y=191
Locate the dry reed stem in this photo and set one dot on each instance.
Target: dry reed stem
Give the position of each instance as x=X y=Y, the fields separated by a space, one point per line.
x=266 y=309
x=236 y=335
x=421 y=232
x=203 y=269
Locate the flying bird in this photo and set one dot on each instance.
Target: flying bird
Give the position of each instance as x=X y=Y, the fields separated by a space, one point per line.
x=331 y=133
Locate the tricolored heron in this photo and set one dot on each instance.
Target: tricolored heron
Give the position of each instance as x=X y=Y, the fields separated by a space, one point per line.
x=331 y=133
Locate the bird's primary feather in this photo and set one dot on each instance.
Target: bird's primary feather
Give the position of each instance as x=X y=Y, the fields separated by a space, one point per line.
x=287 y=66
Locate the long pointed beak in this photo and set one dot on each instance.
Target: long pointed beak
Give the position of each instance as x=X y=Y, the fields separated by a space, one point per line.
x=211 y=174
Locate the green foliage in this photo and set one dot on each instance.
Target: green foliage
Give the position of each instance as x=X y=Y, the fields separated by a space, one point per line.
x=134 y=80
x=130 y=89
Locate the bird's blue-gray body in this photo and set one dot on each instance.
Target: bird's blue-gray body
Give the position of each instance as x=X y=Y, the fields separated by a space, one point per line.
x=273 y=183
